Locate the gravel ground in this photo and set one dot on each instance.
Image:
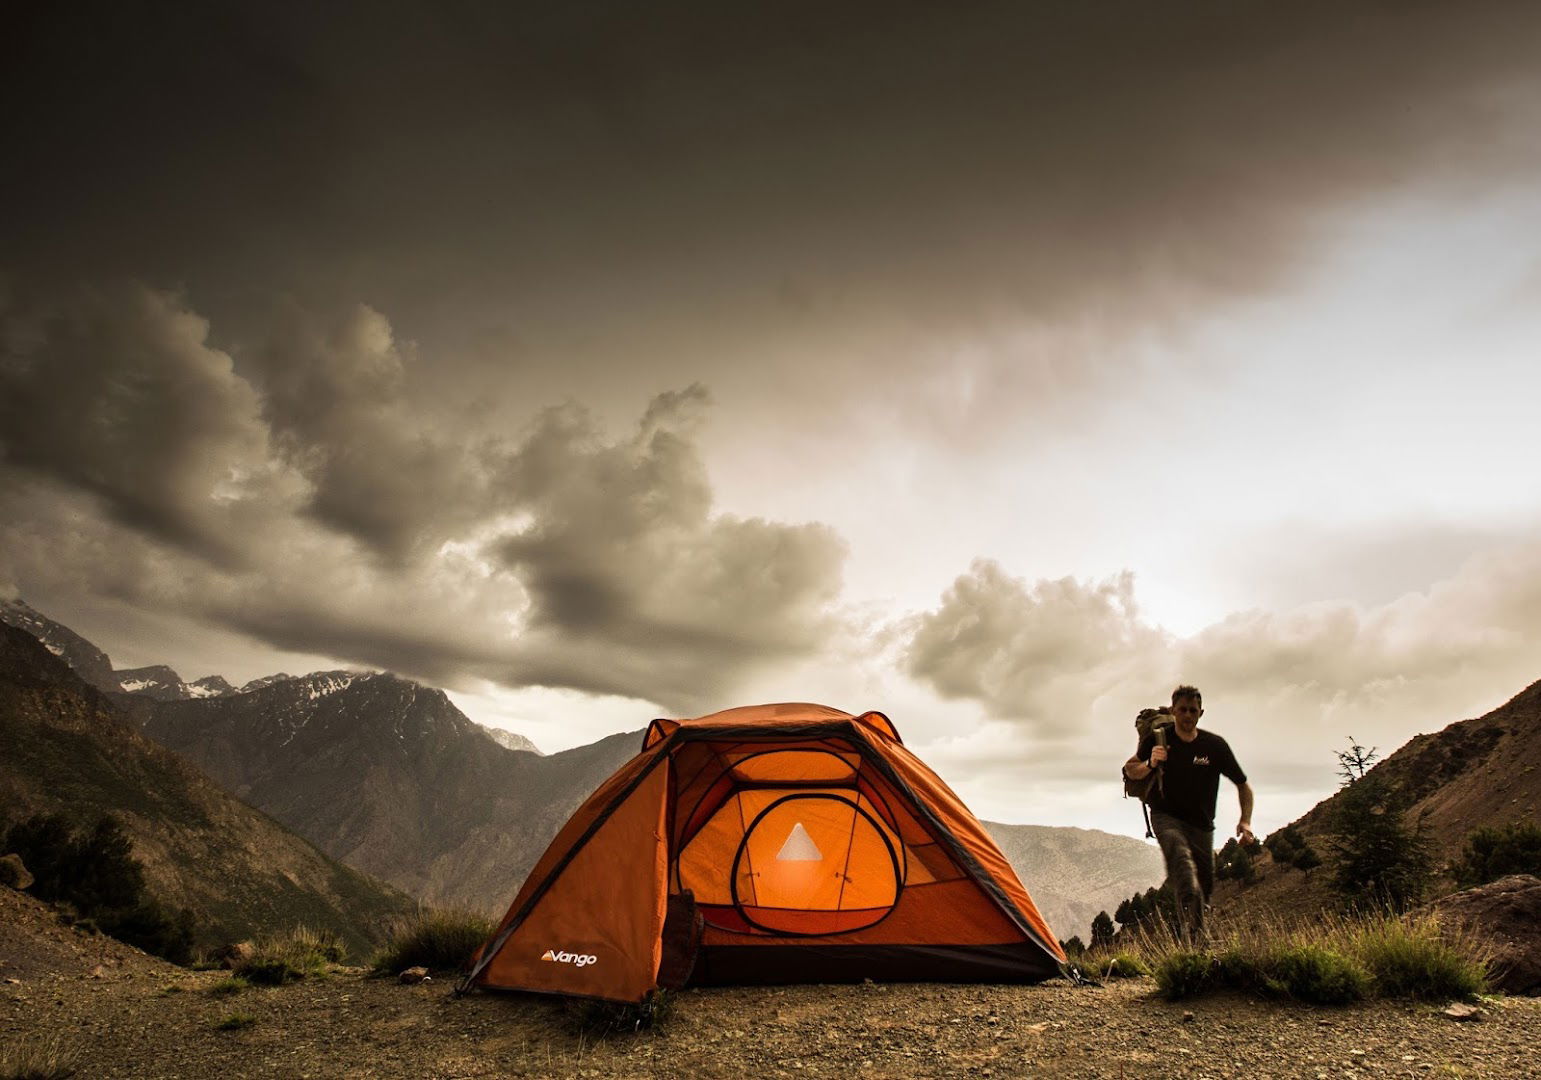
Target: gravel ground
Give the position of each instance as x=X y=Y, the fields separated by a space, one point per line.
x=124 y=1014
x=149 y=1020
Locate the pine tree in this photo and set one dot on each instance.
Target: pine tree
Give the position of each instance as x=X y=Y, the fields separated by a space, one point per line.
x=1102 y=930
x=1380 y=857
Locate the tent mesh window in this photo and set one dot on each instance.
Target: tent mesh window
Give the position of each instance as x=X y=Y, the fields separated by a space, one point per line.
x=799 y=841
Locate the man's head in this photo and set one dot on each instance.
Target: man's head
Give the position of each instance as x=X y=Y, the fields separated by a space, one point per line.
x=1187 y=707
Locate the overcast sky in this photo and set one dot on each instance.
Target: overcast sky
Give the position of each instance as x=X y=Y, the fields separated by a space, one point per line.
x=997 y=366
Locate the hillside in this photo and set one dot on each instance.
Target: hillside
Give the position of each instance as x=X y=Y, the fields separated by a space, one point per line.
x=390 y=777
x=70 y=749
x=1473 y=773
x=1073 y=874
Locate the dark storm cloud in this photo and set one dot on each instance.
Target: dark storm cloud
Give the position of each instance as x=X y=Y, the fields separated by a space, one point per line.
x=622 y=554
x=335 y=398
x=115 y=391
x=563 y=557
x=640 y=193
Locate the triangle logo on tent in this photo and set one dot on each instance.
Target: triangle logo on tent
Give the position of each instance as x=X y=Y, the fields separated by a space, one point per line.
x=549 y=955
x=799 y=847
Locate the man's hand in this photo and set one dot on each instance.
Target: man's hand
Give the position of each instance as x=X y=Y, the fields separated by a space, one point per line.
x=1244 y=830
x=1157 y=755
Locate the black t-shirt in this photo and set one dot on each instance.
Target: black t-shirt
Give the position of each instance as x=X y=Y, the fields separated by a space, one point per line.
x=1192 y=776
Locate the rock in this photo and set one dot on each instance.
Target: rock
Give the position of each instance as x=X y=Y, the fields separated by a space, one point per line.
x=413 y=975
x=234 y=955
x=1188 y=1017
x=98 y=972
x=1464 y=1013
x=14 y=872
x=1507 y=914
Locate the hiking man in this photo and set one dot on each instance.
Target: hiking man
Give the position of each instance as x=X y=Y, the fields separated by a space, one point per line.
x=1182 y=803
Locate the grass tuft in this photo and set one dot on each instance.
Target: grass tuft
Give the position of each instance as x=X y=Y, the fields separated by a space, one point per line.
x=288 y=957
x=1124 y=964
x=1418 y=958
x=236 y=1022
x=439 y=940
x=1325 y=961
x=233 y=985
x=1185 y=973
x=38 y=1059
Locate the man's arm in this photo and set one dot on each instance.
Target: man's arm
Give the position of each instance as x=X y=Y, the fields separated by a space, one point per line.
x=1244 y=826
x=1136 y=767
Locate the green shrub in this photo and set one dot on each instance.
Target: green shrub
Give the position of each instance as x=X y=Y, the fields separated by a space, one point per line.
x=439 y=940
x=34 y=1058
x=233 y=985
x=1316 y=974
x=288 y=957
x=236 y=1022
x=1417 y=959
x=92 y=873
x=1184 y=973
x=1494 y=853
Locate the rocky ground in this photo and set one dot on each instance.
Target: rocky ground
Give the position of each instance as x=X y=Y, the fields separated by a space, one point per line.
x=126 y=1015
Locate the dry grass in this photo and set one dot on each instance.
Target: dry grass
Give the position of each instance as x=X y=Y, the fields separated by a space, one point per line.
x=439 y=940
x=1120 y=964
x=1327 y=960
x=288 y=957
x=48 y=1058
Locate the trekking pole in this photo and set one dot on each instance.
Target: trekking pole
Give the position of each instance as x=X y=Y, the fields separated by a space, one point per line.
x=1160 y=733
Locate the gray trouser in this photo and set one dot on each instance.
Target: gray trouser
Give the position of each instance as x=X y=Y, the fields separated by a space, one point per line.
x=1190 y=867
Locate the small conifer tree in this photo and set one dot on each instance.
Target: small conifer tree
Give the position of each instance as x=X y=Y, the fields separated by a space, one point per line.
x=1380 y=857
x=1102 y=930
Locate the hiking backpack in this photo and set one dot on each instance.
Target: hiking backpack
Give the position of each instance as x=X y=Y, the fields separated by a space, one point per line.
x=1158 y=720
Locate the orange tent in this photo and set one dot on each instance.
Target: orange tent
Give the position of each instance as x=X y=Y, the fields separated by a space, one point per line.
x=770 y=844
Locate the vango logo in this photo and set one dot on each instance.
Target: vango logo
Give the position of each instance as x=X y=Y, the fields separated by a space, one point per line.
x=577 y=959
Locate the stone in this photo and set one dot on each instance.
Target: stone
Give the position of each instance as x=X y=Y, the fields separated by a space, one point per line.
x=14 y=872
x=413 y=975
x=1188 y=1017
x=1507 y=914
x=1464 y=1013
x=234 y=955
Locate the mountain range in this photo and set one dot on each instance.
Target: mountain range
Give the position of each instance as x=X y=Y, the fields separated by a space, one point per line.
x=70 y=749
x=391 y=778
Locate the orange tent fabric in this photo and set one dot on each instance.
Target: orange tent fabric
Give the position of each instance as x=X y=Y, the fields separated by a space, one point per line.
x=814 y=846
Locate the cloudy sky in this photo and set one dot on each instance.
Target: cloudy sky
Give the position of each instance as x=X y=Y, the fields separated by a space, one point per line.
x=994 y=365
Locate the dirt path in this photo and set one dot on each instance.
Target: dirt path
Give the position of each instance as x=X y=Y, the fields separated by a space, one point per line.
x=142 y=1020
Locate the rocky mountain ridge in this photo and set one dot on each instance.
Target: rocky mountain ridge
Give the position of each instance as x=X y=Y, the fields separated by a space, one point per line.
x=511 y=740
x=390 y=777
x=1475 y=773
x=71 y=749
